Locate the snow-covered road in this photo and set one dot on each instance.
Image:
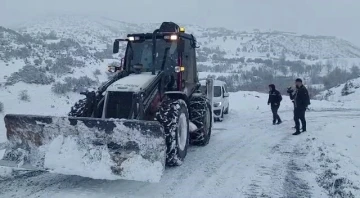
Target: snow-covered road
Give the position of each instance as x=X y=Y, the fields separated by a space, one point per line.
x=247 y=157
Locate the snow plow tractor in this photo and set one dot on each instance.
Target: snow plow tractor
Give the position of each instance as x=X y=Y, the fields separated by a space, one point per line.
x=133 y=126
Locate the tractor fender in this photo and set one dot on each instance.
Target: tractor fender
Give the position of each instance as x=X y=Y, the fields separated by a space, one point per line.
x=177 y=95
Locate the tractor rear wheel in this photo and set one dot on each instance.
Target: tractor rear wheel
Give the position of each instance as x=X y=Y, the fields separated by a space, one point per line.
x=201 y=116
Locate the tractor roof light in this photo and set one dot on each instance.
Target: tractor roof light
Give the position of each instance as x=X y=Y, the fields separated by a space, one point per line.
x=133 y=38
x=171 y=37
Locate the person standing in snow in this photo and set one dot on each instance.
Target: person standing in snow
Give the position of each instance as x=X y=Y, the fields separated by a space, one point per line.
x=274 y=99
x=301 y=102
x=290 y=91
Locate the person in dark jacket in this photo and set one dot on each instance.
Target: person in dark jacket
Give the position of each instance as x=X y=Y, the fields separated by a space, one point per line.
x=301 y=102
x=274 y=99
x=290 y=91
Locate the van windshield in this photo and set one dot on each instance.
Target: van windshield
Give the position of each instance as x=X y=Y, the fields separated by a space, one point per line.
x=217 y=91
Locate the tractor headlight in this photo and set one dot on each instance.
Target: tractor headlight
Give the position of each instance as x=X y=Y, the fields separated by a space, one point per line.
x=217 y=104
x=173 y=37
x=179 y=69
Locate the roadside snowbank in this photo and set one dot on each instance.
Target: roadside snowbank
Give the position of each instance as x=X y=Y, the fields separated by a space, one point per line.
x=347 y=93
x=249 y=101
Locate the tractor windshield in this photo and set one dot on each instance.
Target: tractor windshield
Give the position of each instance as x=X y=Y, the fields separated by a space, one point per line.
x=140 y=52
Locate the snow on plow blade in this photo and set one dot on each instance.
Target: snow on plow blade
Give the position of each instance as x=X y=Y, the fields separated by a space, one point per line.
x=89 y=147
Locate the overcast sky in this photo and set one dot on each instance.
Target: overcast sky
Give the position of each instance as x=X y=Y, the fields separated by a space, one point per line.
x=321 y=17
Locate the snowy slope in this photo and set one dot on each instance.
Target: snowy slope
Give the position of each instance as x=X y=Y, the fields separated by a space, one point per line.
x=348 y=93
x=248 y=57
x=85 y=29
x=246 y=157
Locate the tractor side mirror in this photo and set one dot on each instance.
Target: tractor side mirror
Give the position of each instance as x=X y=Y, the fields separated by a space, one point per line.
x=116 y=47
x=113 y=69
x=226 y=95
x=181 y=46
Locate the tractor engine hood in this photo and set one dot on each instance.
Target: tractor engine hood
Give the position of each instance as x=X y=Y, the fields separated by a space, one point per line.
x=132 y=83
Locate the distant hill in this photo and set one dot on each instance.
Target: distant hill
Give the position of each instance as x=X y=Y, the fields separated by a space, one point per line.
x=69 y=47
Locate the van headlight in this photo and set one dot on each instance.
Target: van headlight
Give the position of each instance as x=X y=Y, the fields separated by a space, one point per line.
x=217 y=104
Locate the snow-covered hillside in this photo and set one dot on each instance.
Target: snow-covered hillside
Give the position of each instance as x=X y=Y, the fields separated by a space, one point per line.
x=94 y=31
x=67 y=44
x=348 y=92
x=267 y=160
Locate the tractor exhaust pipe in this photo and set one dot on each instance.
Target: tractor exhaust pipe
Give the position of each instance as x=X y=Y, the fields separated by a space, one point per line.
x=154 y=50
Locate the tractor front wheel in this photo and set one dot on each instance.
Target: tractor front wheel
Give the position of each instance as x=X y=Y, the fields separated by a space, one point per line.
x=173 y=115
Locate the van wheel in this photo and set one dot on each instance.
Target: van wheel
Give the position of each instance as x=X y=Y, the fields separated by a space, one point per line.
x=222 y=116
x=227 y=110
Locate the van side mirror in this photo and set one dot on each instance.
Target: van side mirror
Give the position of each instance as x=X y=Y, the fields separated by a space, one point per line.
x=116 y=47
x=226 y=95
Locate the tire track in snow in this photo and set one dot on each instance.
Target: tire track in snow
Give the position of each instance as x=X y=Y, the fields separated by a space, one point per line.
x=221 y=150
x=269 y=175
x=234 y=172
x=291 y=153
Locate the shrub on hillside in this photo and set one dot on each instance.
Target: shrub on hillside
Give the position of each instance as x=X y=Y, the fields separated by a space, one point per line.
x=336 y=77
x=347 y=89
x=60 y=69
x=105 y=54
x=38 y=61
x=30 y=74
x=1 y=107
x=50 y=36
x=97 y=72
x=60 y=88
x=73 y=84
x=63 y=45
x=24 y=96
x=64 y=65
x=18 y=53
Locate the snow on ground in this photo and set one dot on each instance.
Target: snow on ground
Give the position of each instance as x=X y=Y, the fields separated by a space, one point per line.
x=216 y=74
x=8 y=68
x=247 y=157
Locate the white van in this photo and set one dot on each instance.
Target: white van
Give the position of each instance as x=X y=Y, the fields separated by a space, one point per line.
x=221 y=98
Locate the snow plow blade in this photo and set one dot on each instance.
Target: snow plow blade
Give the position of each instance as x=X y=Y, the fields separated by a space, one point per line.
x=89 y=147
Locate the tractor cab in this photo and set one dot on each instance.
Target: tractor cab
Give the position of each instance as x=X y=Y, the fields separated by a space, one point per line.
x=168 y=50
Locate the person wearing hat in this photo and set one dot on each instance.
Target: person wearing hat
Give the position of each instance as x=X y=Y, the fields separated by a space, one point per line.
x=274 y=99
x=301 y=102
